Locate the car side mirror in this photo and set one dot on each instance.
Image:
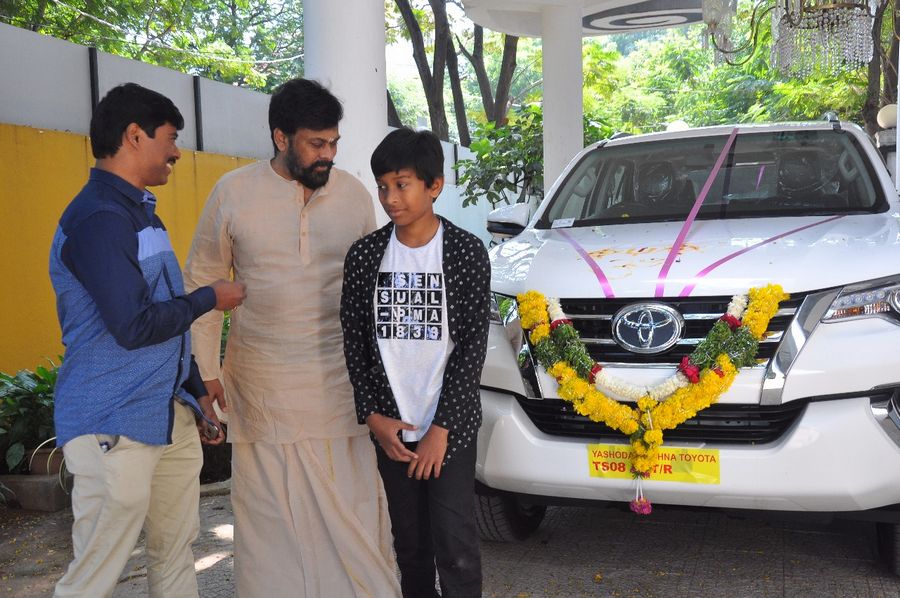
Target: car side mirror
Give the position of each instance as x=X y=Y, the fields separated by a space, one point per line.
x=508 y=221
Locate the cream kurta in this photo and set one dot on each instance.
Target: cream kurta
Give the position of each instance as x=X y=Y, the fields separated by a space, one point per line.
x=309 y=508
x=284 y=361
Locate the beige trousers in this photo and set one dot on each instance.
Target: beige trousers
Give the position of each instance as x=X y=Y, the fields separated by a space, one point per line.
x=310 y=521
x=134 y=486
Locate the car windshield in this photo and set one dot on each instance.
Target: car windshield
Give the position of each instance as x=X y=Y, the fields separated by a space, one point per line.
x=782 y=173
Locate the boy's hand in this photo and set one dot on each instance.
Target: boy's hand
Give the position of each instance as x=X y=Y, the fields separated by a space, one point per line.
x=387 y=433
x=431 y=451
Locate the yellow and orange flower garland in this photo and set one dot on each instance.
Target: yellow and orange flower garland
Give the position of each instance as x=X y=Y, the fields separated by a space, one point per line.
x=705 y=379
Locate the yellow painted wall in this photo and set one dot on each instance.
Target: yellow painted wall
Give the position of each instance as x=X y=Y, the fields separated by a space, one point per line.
x=40 y=172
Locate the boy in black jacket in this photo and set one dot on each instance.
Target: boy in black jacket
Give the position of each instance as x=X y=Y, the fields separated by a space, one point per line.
x=415 y=312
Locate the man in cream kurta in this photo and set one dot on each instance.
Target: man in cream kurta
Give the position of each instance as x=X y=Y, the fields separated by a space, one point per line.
x=310 y=517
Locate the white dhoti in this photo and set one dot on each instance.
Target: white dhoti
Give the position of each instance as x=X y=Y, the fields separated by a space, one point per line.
x=308 y=522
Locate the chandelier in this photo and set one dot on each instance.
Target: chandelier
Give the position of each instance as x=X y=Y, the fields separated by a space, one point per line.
x=807 y=35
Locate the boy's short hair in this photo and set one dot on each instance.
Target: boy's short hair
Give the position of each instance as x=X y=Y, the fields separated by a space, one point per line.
x=126 y=104
x=405 y=148
x=303 y=104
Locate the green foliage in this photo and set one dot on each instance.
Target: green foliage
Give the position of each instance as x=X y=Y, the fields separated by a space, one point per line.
x=674 y=76
x=547 y=353
x=596 y=129
x=508 y=164
x=572 y=349
x=704 y=355
x=223 y=340
x=409 y=101
x=26 y=412
x=241 y=42
x=506 y=306
x=508 y=160
x=600 y=64
x=742 y=348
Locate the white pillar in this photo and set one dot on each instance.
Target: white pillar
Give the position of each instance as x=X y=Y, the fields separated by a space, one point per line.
x=896 y=157
x=563 y=82
x=344 y=50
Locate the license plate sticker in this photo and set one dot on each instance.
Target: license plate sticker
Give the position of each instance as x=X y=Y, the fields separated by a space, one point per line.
x=693 y=466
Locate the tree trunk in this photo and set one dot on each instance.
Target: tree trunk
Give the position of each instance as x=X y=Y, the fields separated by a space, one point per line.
x=496 y=104
x=504 y=79
x=889 y=67
x=393 y=116
x=476 y=59
x=432 y=78
x=38 y=23
x=436 y=94
x=459 y=105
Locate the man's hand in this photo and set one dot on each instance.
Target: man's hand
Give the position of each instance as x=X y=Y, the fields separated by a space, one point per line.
x=207 y=409
x=386 y=431
x=431 y=451
x=216 y=393
x=229 y=294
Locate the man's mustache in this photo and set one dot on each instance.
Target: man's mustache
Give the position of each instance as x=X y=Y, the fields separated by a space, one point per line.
x=325 y=163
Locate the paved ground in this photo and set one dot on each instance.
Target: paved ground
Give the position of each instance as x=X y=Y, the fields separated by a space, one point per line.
x=673 y=553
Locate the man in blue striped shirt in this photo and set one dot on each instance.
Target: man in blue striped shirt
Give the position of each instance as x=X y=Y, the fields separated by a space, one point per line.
x=129 y=399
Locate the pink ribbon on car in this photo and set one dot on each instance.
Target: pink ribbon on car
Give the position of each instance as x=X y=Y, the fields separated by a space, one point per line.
x=692 y=215
x=591 y=262
x=689 y=288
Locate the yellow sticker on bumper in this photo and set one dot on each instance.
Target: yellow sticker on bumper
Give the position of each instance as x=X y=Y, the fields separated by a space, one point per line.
x=694 y=466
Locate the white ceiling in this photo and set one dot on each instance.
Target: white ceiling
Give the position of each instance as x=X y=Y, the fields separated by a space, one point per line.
x=600 y=17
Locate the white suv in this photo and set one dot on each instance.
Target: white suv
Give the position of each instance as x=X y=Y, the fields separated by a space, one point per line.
x=813 y=426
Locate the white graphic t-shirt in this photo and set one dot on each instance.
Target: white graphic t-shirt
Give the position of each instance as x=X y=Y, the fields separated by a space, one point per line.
x=411 y=327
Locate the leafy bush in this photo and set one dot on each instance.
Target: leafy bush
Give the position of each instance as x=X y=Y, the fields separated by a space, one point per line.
x=508 y=160
x=26 y=413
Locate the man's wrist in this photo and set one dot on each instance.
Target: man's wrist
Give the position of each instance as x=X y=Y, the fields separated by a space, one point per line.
x=202 y=300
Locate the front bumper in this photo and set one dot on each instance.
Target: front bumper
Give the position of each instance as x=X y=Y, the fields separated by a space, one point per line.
x=840 y=455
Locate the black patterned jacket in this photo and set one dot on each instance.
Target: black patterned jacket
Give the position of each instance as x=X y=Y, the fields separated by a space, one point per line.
x=467 y=276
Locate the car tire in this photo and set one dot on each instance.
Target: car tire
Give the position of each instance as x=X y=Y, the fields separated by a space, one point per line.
x=889 y=545
x=502 y=518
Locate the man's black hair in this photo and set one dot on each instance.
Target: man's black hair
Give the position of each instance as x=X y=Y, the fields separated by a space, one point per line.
x=405 y=148
x=303 y=104
x=126 y=104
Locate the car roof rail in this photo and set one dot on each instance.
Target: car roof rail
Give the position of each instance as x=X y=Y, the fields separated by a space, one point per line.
x=619 y=135
x=832 y=117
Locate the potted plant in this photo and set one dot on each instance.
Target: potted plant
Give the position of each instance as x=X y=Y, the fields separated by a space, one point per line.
x=26 y=438
x=26 y=416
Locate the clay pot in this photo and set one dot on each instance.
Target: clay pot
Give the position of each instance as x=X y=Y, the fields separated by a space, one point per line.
x=47 y=460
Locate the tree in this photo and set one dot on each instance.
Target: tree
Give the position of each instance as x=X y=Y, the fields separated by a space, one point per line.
x=494 y=100
x=431 y=20
x=508 y=159
x=253 y=43
x=459 y=101
x=432 y=75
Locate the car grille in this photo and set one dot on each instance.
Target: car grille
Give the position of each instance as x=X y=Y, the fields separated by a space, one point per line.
x=592 y=318
x=718 y=424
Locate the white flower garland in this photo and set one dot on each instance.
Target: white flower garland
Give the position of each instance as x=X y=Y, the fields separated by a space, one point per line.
x=606 y=382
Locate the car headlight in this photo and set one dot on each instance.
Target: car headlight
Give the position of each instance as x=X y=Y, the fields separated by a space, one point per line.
x=503 y=309
x=877 y=299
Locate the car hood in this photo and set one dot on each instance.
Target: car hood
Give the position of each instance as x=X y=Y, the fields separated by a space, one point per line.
x=718 y=257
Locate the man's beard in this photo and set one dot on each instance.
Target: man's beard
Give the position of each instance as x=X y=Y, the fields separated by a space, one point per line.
x=308 y=176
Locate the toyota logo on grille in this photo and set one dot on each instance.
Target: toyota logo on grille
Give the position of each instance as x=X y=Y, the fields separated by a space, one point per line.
x=647 y=328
